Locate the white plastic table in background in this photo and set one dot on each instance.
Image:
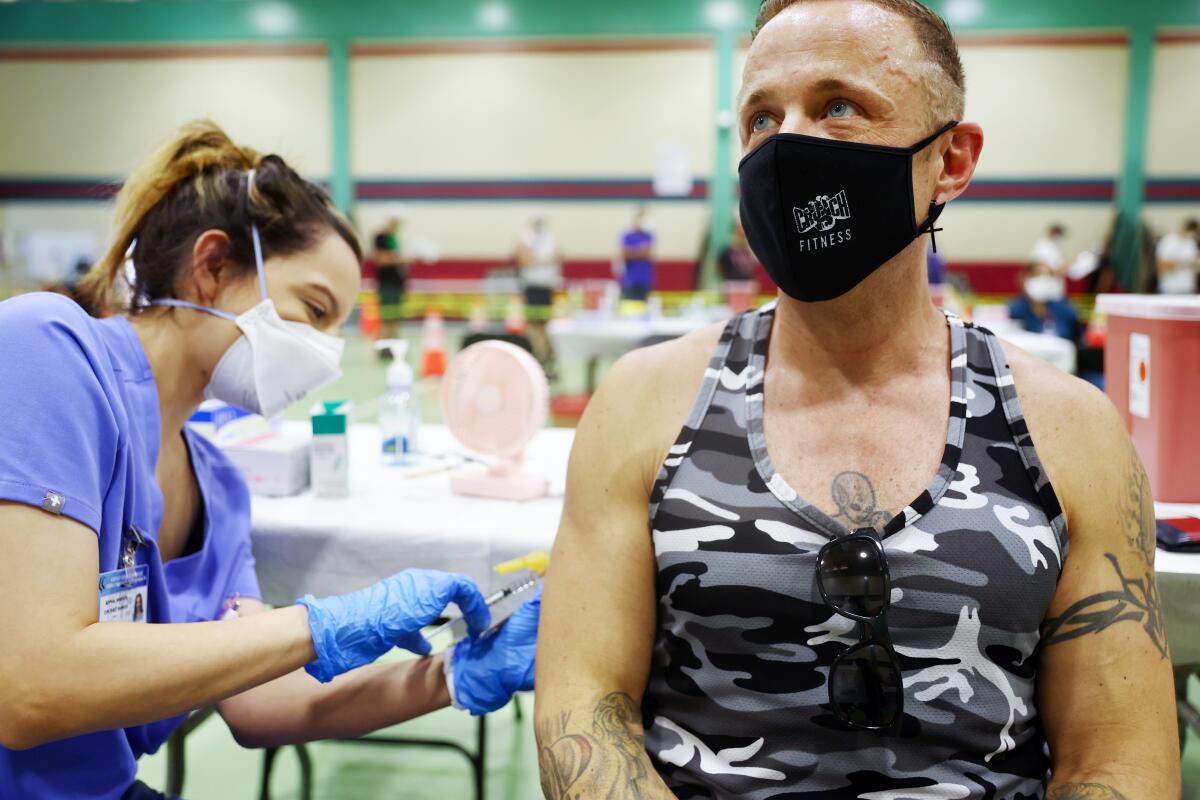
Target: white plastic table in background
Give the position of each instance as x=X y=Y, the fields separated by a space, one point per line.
x=590 y=337
x=305 y=544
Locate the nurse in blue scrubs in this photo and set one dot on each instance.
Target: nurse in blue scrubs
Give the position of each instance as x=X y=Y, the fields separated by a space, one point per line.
x=231 y=275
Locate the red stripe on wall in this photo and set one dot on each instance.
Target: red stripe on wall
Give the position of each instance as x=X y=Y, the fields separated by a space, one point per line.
x=1168 y=191
x=1178 y=37
x=512 y=189
x=1001 y=277
x=1107 y=39
x=159 y=52
x=475 y=46
x=983 y=277
x=669 y=276
x=1032 y=191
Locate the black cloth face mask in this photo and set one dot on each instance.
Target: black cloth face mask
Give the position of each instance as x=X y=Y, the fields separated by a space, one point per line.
x=823 y=215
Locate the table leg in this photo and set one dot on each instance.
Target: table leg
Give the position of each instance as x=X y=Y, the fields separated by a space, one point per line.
x=592 y=364
x=479 y=762
x=1188 y=715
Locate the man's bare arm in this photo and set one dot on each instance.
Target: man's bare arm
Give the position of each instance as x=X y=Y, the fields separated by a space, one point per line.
x=602 y=757
x=598 y=613
x=1084 y=791
x=1105 y=686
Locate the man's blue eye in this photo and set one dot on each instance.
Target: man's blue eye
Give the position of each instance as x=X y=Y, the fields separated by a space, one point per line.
x=760 y=122
x=841 y=109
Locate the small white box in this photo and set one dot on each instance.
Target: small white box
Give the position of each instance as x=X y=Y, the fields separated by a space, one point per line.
x=275 y=465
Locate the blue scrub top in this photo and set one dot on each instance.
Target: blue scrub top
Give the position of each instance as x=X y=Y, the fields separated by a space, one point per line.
x=80 y=417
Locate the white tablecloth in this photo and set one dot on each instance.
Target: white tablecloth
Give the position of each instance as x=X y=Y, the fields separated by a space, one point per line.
x=1046 y=346
x=390 y=523
x=584 y=337
x=587 y=337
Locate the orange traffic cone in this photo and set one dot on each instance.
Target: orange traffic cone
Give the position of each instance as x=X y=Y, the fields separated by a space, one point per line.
x=369 y=320
x=433 y=344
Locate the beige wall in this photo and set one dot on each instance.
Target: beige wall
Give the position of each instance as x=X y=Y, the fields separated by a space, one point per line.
x=1174 y=128
x=518 y=115
x=99 y=118
x=1048 y=111
x=1174 y=131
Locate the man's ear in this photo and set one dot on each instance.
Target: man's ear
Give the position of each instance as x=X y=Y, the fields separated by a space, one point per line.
x=960 y=157
x=210 y=267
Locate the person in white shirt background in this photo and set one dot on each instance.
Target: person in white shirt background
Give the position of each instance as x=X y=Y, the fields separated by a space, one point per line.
x=1048 y=250
x=539 y=262
x=1178 y=256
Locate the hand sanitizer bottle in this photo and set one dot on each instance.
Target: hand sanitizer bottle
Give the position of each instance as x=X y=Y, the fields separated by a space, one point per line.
x=399 y=416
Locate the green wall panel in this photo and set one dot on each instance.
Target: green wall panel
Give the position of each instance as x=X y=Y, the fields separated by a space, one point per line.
x=28 y=21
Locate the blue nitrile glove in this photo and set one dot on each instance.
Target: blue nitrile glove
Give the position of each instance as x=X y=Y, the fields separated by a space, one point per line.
x=483 y=674
x=354 y=629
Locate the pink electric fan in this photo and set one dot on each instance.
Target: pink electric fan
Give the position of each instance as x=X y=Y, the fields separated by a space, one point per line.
x=494 y=400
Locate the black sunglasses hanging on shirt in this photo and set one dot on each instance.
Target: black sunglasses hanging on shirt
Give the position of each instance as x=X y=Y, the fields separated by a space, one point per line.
x=866 y=689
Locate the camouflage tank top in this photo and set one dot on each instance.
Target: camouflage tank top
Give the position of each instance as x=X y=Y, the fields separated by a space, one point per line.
x=737 y=703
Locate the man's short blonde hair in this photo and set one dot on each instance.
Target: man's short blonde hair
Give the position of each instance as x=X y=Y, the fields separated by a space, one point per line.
x=948 y=89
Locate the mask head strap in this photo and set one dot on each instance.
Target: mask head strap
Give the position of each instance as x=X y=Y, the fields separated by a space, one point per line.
x=258 y=265
x=921 y=145
x=258 y=257
x=935 y=210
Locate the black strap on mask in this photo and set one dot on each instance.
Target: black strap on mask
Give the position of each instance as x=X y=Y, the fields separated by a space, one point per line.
x=935 y=210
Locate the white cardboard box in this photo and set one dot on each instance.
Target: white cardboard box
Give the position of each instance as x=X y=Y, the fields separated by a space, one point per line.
x=275 y=465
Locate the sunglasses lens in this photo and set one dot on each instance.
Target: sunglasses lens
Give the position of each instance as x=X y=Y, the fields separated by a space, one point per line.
x=852 y=576
x=865 y=687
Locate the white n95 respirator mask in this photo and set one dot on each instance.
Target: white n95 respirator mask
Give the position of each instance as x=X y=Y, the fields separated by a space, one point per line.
x=275 y=363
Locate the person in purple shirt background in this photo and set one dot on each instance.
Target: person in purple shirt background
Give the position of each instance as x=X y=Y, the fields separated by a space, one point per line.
x=637 y=251
x=242 y=273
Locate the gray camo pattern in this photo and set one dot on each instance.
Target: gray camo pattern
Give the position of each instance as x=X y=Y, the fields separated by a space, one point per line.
x=737 y=703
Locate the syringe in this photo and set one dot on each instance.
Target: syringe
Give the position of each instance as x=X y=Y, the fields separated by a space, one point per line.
x=492 y=599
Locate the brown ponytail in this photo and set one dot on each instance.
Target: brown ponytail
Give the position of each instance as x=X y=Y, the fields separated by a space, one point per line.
x=196 y=182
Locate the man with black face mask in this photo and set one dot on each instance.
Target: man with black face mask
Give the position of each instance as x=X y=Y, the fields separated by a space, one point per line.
x=885 y=555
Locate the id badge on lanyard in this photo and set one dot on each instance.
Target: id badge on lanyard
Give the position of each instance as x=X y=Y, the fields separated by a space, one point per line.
x=124 y=592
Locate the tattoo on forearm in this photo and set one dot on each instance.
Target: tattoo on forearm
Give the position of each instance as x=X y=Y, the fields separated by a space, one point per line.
x=608 y=761
x=854 y=496
x=1084 y=791
x=1137 y=598
x=563 y=757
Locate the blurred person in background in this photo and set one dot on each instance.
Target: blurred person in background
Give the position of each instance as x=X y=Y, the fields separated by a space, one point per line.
x=1177 y=256
x=1042 y=305
x=391 y=273
x=113 y=509
x=539 y=268
x=935 y=267
x=637 y=257
x=1048 y=250
x=736 y=262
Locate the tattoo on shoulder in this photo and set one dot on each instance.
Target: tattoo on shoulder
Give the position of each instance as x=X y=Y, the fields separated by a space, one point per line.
x=854 y=496
x=1084 y=791
x=1136 y=599
x=606 y=761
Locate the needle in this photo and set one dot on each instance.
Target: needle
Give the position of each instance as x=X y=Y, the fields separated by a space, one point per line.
x=491 y=600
